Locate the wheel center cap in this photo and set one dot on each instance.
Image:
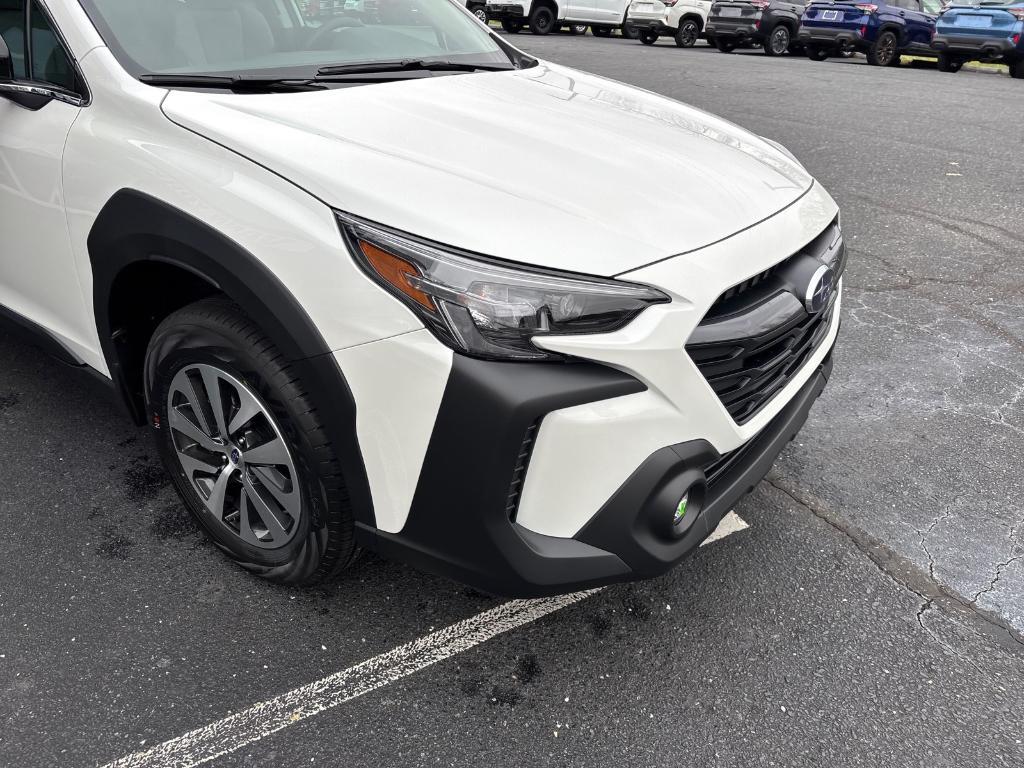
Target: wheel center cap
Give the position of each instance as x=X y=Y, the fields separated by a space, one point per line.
x=235 y=456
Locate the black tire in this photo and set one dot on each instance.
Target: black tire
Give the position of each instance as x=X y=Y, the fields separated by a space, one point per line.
x=215 y=332
x=480 y=11
x=885 y=51
x=688 y=33
x=778 y=41
x=578 y=29
x=542 y=21
x=629 y=32
x=601 y=31
x=648 y=38
x=512 y=26
x=1017 y=70
x=725 y=46
x=816 y=53
x=948 y=64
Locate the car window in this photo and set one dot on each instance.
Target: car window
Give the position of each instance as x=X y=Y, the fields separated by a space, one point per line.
x=12 y=30
x=50 y=62
x=269 y=38
x=932 y=6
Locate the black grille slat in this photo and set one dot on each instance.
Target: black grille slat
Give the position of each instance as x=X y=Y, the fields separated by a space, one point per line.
x=515 y=489
x=746 y=373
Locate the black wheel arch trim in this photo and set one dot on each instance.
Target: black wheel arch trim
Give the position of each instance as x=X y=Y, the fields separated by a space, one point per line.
x=135 y=227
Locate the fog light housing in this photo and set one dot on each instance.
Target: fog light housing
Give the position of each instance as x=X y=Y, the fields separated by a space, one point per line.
x=681 y=509
x=687 y=510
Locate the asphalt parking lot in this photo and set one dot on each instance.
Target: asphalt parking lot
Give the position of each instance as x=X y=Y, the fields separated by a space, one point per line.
x=871 y=614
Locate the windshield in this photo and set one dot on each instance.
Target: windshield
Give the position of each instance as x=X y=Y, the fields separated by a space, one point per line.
x=286 y=38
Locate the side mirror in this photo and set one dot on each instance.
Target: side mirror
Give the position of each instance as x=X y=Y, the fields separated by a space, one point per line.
x=6 y=65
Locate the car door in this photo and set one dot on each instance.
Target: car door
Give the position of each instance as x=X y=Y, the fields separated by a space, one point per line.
x=38 y=277
x=906 y=11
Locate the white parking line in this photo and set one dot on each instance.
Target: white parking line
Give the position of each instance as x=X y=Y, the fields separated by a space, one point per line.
x=250 y=725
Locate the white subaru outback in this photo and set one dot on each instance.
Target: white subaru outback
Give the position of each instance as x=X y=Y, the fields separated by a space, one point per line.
x=286 y=240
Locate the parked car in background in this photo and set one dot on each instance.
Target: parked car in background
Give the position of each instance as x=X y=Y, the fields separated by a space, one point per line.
x=543 y=17
x=881 y=30
x=985 y=31
x=682 y=20
x=771 y=24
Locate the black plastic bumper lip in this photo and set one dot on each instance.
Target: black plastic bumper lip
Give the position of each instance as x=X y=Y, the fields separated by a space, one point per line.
x=829 y=36
x=459 y=525
x=980 y=44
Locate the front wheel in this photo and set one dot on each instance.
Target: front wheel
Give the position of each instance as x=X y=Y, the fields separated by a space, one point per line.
x=884 y=52
x=578 y=29
x=687 y=34
x=777 y=43
x=630 y=32
x=511 y=26
x=725 y=46
x=601 y=31
x=948 y=64
x=1017 y=70
x=816 y=53
x=244 y=445
x=648 y=37
x=542 y=21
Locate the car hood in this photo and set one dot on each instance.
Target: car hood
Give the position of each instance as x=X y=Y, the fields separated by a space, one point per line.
x=544 y=166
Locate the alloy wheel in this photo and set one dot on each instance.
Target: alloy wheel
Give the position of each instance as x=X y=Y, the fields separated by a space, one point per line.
x=688 y=34
x=886 y=49
x=780 y=40
x=234 y=456
x=481 y=14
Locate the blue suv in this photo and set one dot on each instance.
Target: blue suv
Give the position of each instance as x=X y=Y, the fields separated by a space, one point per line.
x=989 y=30
x=882 y=30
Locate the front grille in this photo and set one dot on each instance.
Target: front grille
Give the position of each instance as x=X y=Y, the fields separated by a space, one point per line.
x=757 y=334
x=515 y=490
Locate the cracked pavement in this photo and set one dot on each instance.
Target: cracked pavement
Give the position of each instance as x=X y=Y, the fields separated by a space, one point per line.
x=871 y=615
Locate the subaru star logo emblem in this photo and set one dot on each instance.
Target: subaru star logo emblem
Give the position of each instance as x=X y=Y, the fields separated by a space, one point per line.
x=819 y=290
x=235 y=455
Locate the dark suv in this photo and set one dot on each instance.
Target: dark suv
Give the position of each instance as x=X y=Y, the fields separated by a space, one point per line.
x=881 y=30
x=772 y=24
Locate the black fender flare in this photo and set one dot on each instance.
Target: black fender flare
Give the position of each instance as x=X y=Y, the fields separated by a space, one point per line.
x=693 y=17
x=899 y=30
x=135 y=227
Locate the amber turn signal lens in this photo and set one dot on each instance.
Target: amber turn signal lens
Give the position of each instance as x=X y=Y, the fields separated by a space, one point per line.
x=396 y=271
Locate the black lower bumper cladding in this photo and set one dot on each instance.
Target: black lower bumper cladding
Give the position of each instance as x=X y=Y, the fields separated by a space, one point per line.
x=459 y=525
x=829 y=38
x=981 y=45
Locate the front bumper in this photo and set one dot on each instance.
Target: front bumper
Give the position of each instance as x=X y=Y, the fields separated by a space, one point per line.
x=471 y=539
x=977 y=46
x=830 y=37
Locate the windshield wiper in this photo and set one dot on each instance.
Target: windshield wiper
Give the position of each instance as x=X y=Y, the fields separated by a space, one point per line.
x=238 y=84
x=407 y=65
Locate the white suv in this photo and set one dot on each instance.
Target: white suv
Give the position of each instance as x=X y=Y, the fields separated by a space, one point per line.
x=545 y=16
x=287 y=246
x=682 y=20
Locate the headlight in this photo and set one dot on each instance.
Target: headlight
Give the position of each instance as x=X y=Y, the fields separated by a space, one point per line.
x=489 y=309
